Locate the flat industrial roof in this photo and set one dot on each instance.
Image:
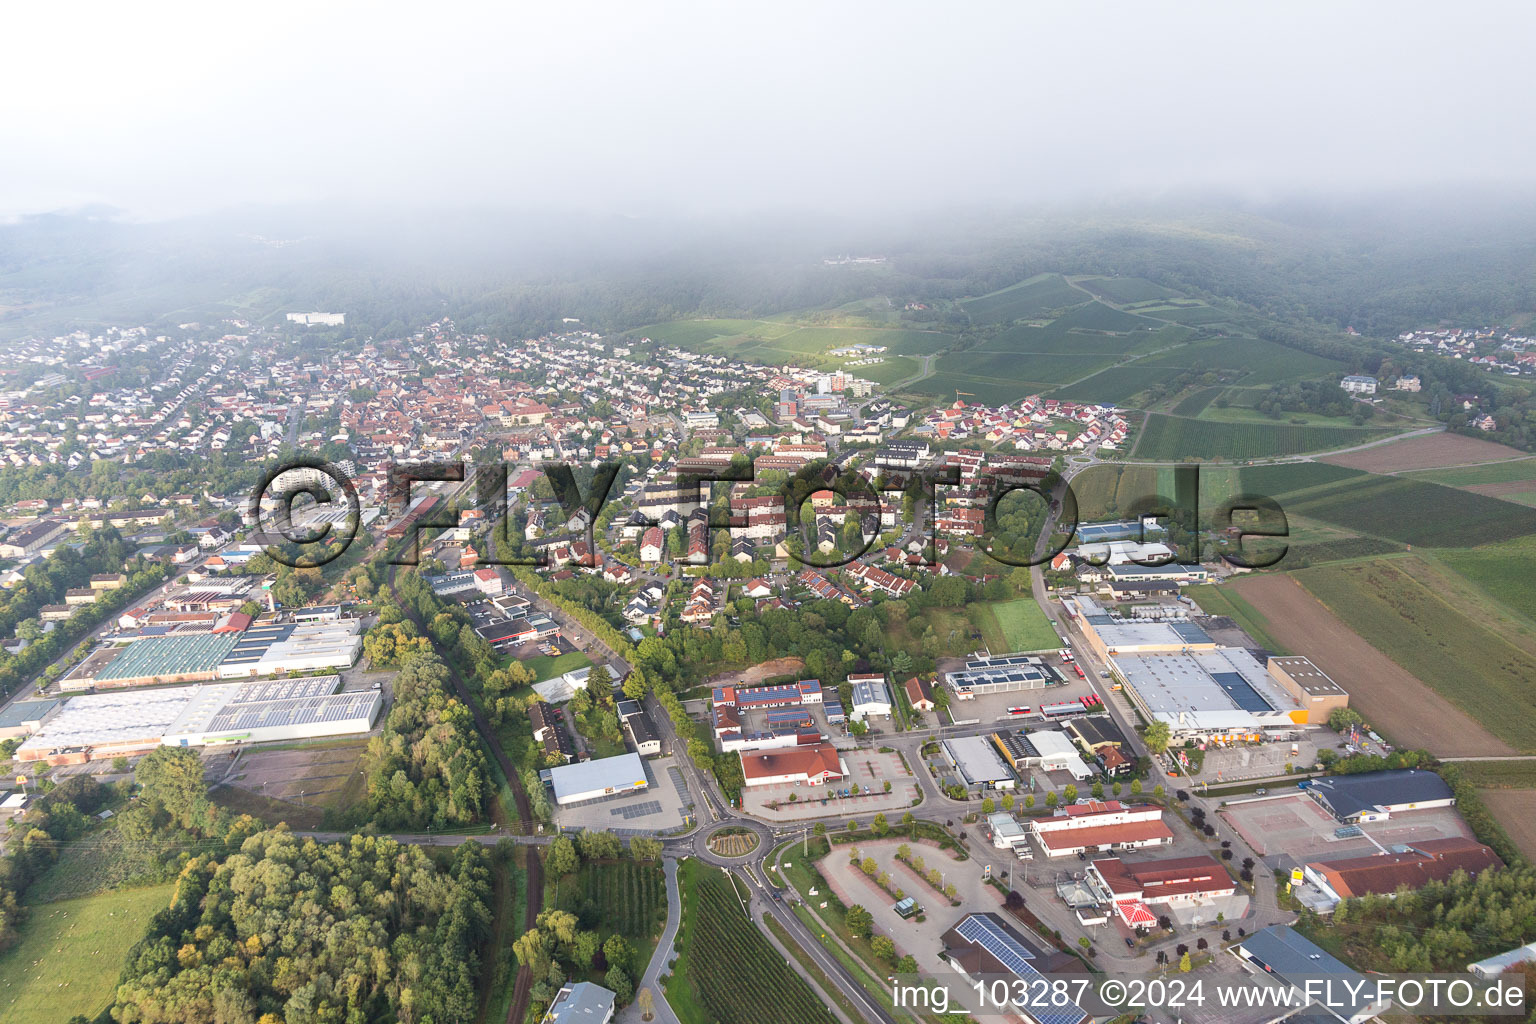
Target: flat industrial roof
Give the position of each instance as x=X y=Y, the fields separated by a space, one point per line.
x=977 y=759
x=1308 y=676
x=1220 y=689
x=23 y=711
x=1119 y=634
x=113 y=717
x=169 y=656
x=624 y=772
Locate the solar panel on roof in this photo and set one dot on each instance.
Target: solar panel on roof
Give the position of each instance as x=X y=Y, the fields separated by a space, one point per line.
x=1242 y=694
x=986 y=933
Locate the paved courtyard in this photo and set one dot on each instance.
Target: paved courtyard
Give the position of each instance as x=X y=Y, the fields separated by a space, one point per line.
x=1292 y=829
x=868 y=769
x=1256 y=761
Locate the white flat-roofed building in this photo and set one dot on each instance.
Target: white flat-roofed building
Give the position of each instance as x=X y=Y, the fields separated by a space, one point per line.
x=1059 y=754
x=591 y=780
x=1007 y=833
x=1121 y=552
x=978 y=762
x=870 y=697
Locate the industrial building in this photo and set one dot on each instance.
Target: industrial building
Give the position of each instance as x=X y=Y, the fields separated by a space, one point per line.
x=978 y=763
x=1310 y=686
x=1001 y=673
x=269 y=649
x=591 y=780
x=1219 y=694
x=1282 y=953
x=1108 y=635
x=25 y=717
x=105 y=725
x=806 y=691
x=158 y=659
x=1375 y=796
x=870 y=697
x=1413 y=865
x=266 y=712
x=1046 y=750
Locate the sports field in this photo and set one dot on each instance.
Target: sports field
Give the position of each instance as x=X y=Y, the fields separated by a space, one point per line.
x=71 y=953
x=1393 y=699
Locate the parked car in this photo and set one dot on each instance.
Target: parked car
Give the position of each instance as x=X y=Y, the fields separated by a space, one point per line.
x=1260 y=791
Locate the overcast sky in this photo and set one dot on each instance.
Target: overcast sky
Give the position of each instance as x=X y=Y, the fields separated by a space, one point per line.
x=165 y=109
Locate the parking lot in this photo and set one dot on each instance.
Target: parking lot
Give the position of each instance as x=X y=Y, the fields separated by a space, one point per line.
x=994 y=707
x=1257 y=760
x=868 y=769
x=1291 y=829
x=662 y=807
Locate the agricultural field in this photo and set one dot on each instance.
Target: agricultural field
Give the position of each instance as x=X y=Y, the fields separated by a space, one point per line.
x=1475 y=668
x=890 y=370
x=1098 y=317
x=1118 y=384
x=1194 y=403
x=1505 y=572
x=1051 y=368
x=1195 y=315
x=987 y=390
x=1107 y=490
x=1262 y=360
x=1506 y=472
x=726 y=971
x=1515 y=809
x=1024 y=626
x=1052 y=340
x=1122 y=290
x=1293 y=478
x=1392 y=698
x=702 y=333
x=1172 y=437
x=71 y=953
x=1426 y=451
x=1415 y=512
x=1033 y=297
x=620 y=897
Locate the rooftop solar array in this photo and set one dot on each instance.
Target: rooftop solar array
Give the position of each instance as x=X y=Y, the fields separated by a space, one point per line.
x=1243 y=695
x=1001 y=674
x=340 y=707
x=286 y=689
x=169 y=656
x=1007 y=950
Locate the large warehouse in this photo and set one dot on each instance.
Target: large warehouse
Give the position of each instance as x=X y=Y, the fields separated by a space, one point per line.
x=104 y=725
x=1374 y=796
x=1221 y=694
x=589 y=780
x=263 y=649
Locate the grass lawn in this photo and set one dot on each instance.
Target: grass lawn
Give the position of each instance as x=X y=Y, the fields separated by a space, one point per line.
x=1024 y=626
x=544 y=667
x=71 y=953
